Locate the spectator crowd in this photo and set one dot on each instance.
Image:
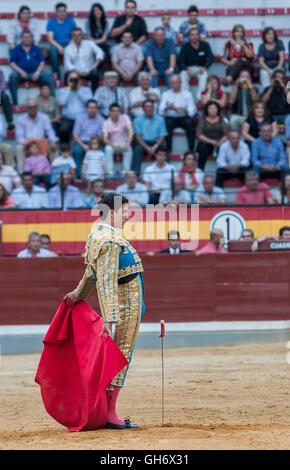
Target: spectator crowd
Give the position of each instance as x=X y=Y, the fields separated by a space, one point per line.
x=74 y=134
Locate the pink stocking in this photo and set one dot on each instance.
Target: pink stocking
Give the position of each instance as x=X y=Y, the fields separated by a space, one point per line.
x=112 y=396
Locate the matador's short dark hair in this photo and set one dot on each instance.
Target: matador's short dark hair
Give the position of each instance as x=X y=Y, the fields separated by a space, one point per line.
x=112 y=201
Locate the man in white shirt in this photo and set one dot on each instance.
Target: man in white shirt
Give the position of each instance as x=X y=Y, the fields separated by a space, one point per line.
x=134 y=191
x=29 y=196
x=142 y=93
x=34 y=249
x=65 y=196
x=8 y=176
x=84 y=56
x=159 y=176
x=233 y=159
x=178 y=107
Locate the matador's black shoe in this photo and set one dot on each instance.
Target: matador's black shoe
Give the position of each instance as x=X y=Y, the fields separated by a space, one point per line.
x=127 y=425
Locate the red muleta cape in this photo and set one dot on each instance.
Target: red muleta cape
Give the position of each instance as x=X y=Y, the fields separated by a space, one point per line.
x=76 y=366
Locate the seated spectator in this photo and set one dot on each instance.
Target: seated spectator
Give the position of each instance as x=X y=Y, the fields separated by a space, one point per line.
x=33 y=125
x=271 y=55
x=84 y=56
x=142 y=93
x=160 y=57
x=28 y=195
x=213 y=92
x=22 y=23
x=64 y=162
x=173 y=238
x=158 y=176
x=150 y=132
x=97 y=28
x=5 y=148
x=45 y=242
x=268 y=156
x=27 y=63
x=170 y=32
x=287 y=135
x=5 y=200
x=258 y=116
x=192 y=22
x=130 y=21
x=135 y=192
x=282 y=194
x=5 y=103
x=94 y=164
x=284 y=233
x=178 y=108
x=211 y=132
x=86 y=126
x=195 y=58
x=190 y=175
x=247 y=234
x=242 y=97
x=209 y=194
x=73 y=98
x=233 y=159
x=176 y=195
x=59 y=30
x=111 y=93
x=275 y=96
x=37 y=164
x=238 y=55
x=48 y=105
x=34 y=249
x=9 y=177
x=117 y=136
x=216 y=243
x=254 y=192
x=127 y=58
x=97 y=192
x=63 y=195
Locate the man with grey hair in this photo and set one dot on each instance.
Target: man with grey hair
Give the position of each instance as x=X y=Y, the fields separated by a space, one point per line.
x=207 y=193
x=176 y=195
x=178 y=108
x=160 y=57
x=63 y=195
x=111 y=93
x=254 y=192
x=233 y=159
x=216 y=243
x=34 y=249
x=142 y=93
x=136 y=192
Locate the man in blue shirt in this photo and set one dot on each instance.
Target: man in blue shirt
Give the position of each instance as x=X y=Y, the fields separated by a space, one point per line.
x=59 y=31
x=65 y=196
x=27 y=63
x=160 y=57
x=190 y=23
x=150 y=132
x=268 y=156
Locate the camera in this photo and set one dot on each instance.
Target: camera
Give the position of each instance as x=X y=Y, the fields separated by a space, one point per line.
x=276 y=82
x=243 y=80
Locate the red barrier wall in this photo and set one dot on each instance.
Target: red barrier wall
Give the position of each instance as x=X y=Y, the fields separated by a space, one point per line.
x=240 y=286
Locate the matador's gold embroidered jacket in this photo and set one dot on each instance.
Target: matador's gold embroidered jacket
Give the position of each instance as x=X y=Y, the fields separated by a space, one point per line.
x=109 y=257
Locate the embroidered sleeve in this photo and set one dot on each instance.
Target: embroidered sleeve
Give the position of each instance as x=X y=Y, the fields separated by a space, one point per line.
x=86 y=284
x=107 y=265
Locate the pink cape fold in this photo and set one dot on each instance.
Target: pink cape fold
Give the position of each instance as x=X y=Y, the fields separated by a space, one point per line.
x=76 y=366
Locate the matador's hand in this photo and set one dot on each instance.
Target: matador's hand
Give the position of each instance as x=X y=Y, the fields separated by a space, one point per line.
x=70 y=299
x=107 y=328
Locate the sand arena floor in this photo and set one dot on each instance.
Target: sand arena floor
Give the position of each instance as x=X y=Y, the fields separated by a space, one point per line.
x=234 y=397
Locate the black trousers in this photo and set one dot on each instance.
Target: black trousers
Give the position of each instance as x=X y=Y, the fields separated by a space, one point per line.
x=204 y=150
x=94 y=78
x=183 y=122
x=65 y=128
x=6 y=106
x=223 y=174
x=235 y=70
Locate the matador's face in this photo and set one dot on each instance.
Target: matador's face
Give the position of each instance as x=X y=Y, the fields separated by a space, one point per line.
x=121 y=216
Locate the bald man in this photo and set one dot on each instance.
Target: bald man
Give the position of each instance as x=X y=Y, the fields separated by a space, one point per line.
x=216 y=243
x=33 y=125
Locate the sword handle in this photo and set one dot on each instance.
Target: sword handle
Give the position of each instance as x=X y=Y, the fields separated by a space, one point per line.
x=162 y=326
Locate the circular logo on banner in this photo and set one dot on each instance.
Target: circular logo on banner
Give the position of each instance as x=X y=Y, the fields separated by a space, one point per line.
x=231 y=223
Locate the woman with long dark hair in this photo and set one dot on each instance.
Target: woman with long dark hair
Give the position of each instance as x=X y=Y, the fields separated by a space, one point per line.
x=271 y=55
x=97 y=27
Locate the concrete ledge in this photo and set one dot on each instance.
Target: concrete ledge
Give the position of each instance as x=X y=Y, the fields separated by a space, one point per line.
x=24 y=339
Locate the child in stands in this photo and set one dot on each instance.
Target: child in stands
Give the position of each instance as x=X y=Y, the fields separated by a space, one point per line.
x=94 y=164
x=65 y=159
x=37 y=164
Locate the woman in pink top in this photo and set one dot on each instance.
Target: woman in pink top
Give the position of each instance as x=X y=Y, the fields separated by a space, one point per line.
x=5 y=201
x=37 y=164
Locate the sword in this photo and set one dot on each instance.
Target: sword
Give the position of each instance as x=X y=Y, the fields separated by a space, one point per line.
x=162 y=334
